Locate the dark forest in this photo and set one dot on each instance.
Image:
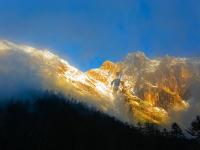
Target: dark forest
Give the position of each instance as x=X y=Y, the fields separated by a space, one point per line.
x=52 y=122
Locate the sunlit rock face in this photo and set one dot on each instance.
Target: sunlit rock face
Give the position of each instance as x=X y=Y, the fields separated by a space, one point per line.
x=150 y=88
x=135 y=89
x=161 y=83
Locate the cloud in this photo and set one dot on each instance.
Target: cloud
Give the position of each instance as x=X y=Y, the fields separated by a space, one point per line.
x=25 y=70
x=18 y=75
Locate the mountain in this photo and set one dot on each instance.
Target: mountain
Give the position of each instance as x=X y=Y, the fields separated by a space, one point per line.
x=135 y=89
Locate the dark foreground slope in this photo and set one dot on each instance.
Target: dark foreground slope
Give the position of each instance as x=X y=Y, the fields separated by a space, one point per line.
x=52 y=123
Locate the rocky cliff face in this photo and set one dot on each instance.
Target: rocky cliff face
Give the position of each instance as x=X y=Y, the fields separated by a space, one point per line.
x=150 y=88
x=135 y=89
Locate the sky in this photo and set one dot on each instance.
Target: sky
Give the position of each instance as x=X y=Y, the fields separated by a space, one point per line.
x=88 y=32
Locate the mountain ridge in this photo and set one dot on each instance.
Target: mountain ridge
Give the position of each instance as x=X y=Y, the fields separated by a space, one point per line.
x=135 y=89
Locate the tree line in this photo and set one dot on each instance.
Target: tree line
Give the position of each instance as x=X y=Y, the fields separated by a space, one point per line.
x=52 y=122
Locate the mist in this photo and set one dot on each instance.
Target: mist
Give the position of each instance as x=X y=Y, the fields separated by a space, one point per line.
x=26 y=71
